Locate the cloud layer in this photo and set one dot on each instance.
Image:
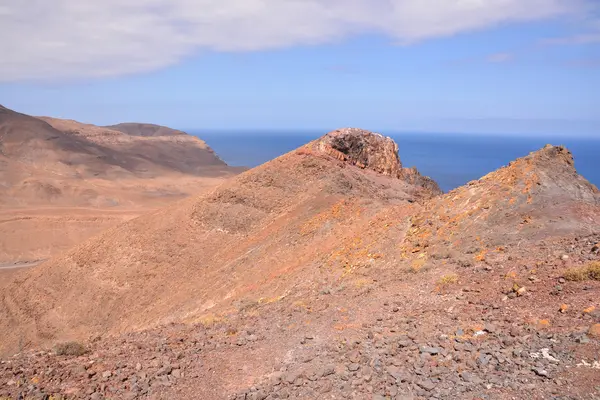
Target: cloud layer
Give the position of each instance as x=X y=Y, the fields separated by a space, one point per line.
x=70 y=39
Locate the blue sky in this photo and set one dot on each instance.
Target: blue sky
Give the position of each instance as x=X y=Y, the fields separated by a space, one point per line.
x=501 y=66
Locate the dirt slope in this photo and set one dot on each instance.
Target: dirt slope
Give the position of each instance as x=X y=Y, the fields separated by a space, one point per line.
x=328 y=273
x=179 y=262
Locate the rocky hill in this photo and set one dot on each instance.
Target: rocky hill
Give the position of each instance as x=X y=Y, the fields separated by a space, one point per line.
x=329 y=272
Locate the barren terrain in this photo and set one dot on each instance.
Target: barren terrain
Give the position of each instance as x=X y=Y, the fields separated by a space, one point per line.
x=62 y=182
x=330 y=272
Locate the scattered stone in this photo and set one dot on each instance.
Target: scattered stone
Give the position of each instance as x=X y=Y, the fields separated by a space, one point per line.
x=427 y=385
x=541 y=372
x=429 y=350
x=353 y=367
x=594 y=331
x=165 y=370
x=292 y=376
x=546 y=354
x=564 y=308
x=469 y=377
x=583 y=339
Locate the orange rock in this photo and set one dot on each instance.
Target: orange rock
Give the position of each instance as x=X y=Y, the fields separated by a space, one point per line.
x=511 y=275
x=594 y=331
x=542 y=324
x=589 y=310
x=564 y=308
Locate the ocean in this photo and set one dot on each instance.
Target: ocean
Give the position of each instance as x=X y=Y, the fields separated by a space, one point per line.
x=451 y=160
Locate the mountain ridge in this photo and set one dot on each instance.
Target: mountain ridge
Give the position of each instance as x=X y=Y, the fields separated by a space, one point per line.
x=329 y=265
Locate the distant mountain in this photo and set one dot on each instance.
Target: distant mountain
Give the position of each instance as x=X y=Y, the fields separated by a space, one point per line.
x=137 y=129
x=47 y=161
x=165 y=147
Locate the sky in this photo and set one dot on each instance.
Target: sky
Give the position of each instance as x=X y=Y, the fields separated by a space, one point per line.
x=519 y=67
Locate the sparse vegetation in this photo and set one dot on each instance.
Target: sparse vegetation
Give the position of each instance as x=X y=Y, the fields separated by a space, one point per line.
x=448 y=279
x=70 y=349
x=417 y=265
x=210 y=320
x=588 y=272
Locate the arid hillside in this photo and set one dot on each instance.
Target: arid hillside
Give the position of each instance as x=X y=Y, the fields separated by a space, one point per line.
x=330 y=272
x=50 y=166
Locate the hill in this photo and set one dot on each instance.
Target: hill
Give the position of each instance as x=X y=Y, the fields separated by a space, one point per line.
x=329 y=272
x=104 y=176
x=158 y=148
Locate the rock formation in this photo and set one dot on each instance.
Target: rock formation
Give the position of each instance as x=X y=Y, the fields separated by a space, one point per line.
x=363 y=149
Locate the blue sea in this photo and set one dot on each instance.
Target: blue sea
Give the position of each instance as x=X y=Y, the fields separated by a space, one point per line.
x=451 y=160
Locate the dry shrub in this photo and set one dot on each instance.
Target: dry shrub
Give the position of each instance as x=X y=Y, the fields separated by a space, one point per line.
x=210 y=320
x=70 y=349
x=448 y=279
x=588 y=272
x=418 y=265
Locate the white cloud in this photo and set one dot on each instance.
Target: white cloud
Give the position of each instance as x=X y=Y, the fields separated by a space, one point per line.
x=66 y=39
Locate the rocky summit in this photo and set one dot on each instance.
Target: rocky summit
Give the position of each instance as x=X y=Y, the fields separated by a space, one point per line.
x=331 y=272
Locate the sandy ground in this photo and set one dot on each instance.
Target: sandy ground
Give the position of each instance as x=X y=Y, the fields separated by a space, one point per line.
x=31 y=234
x=28 y=235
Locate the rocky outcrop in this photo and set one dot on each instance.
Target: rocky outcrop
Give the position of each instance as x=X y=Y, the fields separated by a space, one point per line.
x=414 y=177
x=372 y=151
x=362 y=148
